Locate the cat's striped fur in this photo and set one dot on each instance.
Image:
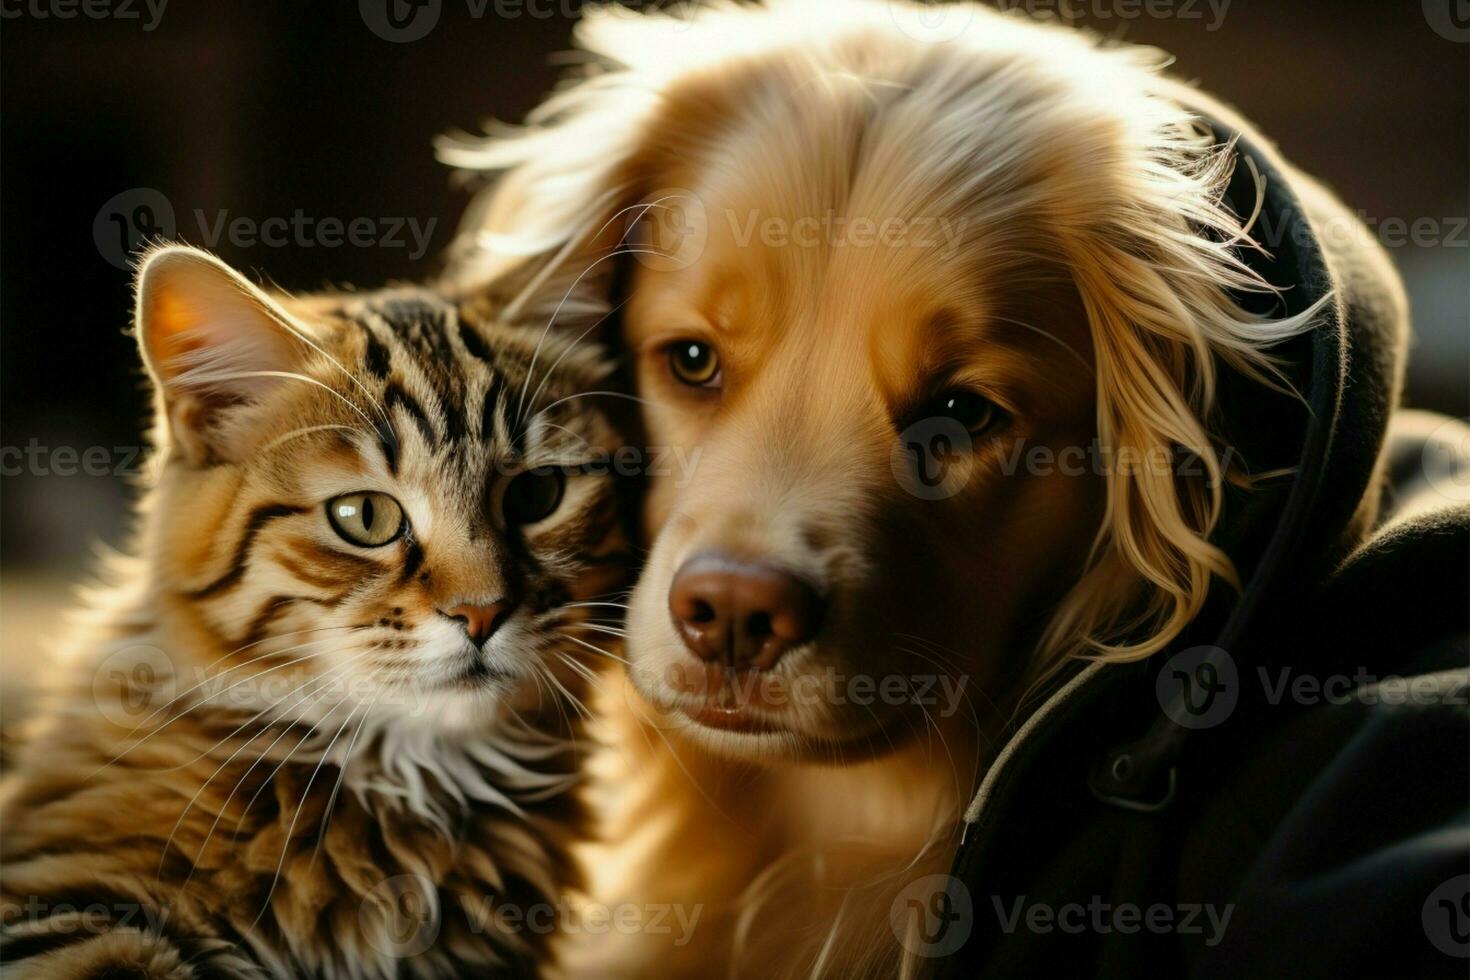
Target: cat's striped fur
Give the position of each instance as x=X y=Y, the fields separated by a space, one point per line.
x=274 y=754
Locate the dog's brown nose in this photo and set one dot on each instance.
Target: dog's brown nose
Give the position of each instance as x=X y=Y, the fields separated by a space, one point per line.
x=743 y=614
x=480 y=622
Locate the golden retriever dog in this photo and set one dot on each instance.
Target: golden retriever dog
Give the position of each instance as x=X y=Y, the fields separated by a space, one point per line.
x=933 y=301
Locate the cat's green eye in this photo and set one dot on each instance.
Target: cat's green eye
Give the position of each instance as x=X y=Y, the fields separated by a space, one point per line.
x=367 y=518
x=695 y=363
x=532 y=496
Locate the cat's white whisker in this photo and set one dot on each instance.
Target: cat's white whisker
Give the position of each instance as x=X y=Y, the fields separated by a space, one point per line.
x=238 y=650
x=571 y=698
x=520 y=404
x=245 y=724
x=581 y=669
x=198 y=704
x=512 y=308
x=597 y=628
x=342 y=778
x=302 y=336
x=232 y=758
x=291 y=829
x=597 y=650
x=571 y=347
x=584 y=394
x=264 y=756
x=308 y=430
x=168 y=842
x=202 y=377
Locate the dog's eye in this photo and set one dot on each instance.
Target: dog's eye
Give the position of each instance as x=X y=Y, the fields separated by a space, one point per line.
x=367 y=519
x=695 y=363
x=973 y=411
x=532 y=496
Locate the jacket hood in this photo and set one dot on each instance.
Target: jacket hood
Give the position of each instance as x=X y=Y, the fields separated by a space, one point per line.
x=1315 y=830
x=1326 y=438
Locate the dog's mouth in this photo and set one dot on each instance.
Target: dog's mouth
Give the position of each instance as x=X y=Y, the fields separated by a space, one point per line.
x=731 y=711
x=739 y=718
x=741 y=660
x=746 y=732
x=714 y=697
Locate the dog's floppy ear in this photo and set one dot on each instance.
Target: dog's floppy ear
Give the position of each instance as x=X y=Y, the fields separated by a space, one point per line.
x=1162 y=283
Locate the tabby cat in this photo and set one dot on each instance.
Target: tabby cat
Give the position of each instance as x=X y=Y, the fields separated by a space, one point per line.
x=323 y=724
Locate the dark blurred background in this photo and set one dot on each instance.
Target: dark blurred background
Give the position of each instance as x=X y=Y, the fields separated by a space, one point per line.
x=314 y=112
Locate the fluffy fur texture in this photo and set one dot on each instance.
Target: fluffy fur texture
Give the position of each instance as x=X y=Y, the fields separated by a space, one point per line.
x=278 y=752
x=1042 y=225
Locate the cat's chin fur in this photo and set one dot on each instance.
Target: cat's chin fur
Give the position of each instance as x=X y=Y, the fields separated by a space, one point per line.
x=416 y=781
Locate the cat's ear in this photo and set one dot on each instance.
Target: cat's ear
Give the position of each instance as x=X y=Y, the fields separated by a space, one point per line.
x=213 y=343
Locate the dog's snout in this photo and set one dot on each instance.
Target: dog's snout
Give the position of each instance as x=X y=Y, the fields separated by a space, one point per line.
x=741 y=613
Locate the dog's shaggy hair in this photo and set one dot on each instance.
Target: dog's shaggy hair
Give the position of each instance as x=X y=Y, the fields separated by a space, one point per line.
x=1080 y=272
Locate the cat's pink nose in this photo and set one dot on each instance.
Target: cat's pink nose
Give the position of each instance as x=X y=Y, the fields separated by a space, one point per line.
x=481 y=622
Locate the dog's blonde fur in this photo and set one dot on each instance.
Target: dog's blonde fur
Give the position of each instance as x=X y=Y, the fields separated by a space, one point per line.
x=1088 y=290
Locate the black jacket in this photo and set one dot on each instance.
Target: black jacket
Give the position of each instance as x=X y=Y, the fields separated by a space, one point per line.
x=1285 y=792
